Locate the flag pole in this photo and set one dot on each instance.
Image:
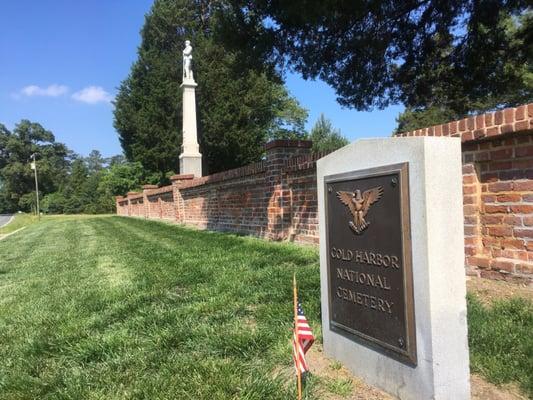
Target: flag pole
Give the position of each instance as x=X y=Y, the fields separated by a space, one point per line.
x=298 y=370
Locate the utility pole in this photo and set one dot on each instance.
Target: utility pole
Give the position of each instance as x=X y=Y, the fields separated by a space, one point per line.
x=34 y=167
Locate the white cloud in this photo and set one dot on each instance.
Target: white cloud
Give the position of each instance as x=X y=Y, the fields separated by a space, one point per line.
x=50 y=91
x=92 y=95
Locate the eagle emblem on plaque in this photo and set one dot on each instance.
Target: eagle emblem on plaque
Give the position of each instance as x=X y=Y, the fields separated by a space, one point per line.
x=359 y=205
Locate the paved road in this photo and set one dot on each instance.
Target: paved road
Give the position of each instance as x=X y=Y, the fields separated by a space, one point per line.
x=4 y=219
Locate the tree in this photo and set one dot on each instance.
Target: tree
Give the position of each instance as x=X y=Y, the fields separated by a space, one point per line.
x=458 y=55
x=412 y=119
x=17 y=179
x=241 y=100
x=325 y=138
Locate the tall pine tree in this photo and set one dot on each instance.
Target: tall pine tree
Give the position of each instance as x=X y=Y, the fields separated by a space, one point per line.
x=241 y=99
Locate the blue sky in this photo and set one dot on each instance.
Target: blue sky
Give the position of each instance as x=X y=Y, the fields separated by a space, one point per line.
x=61 y=62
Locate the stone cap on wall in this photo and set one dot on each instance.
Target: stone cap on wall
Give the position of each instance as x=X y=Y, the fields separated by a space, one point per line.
x=134 y=195
x=159 y=190
x=148 y=187
x=483 y=126
x=306 y=144
x=181 y=177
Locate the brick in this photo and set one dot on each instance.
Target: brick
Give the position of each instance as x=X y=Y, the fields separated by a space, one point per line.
x=470 y=230
x=438 y=130
x=496 y=187
x=479 y=133
x=511 y=175
x=470 y=210
x=524 y=151
x=482 y=156
x=489 y=177
x=523 y=163
x=512 y=220
x=528 y=198
x=501 y=231
x=528 y=220
x=467 y=136
x=468 y=169
x=501 y=154
x=481 y=262
x=470 y=123
x=524 y=268
x=524 y=233
x=445 y=130
x=502 y=265
x=470 y=220
x=468 y=158
x=452 y=127
x=513 y=243
x=521 y=126
x=508 y=198
x=493 y=131
x=507 y=128
x=462 y=125
x=468 y=179
x=470 y=189
x=494 y=209
x=491 y=219
x=508 y=115
x=480 y=121
x=522 y=208
x=490 y=241
x=489 y=119
x=520 y=113
x=498 y=118
x=488 y=198
x=501 y=165
x=470 y=251
x=469 y=199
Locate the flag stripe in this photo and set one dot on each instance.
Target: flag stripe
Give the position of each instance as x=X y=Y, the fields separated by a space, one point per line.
x=305 y=339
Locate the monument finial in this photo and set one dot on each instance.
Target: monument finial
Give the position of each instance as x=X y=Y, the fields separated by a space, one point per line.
x=187 y=62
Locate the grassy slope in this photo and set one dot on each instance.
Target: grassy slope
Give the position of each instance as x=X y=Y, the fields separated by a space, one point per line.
x=18 y=222
x=122 y=308
x=104 y=308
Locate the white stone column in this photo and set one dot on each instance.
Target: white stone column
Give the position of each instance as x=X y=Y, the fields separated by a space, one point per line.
x=190 y=157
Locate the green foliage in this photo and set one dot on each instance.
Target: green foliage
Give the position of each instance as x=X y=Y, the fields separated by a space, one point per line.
x=512 y=80
x=412 y=119
x=241 y=102
x=325 y=137
x=67 y=183
x=461 y=55
x=501 y=344
x=16 y=177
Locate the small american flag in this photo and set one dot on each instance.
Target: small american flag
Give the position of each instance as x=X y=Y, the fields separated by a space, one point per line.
x=305 y=339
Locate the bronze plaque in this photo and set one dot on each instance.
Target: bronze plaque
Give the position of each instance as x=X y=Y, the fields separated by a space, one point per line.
x=368 y=241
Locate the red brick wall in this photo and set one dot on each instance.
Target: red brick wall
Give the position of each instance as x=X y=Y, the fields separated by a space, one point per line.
x=497 y=190
x=277 y=197
x=159 y=202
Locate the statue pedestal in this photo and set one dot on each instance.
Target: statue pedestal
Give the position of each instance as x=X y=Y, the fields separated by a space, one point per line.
x=190 y=157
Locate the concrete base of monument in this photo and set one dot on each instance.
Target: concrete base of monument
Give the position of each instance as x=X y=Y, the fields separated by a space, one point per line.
x=441 y=367
x=191 y=164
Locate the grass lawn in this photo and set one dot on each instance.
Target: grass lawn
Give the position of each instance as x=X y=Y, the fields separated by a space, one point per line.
x=116 y=308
